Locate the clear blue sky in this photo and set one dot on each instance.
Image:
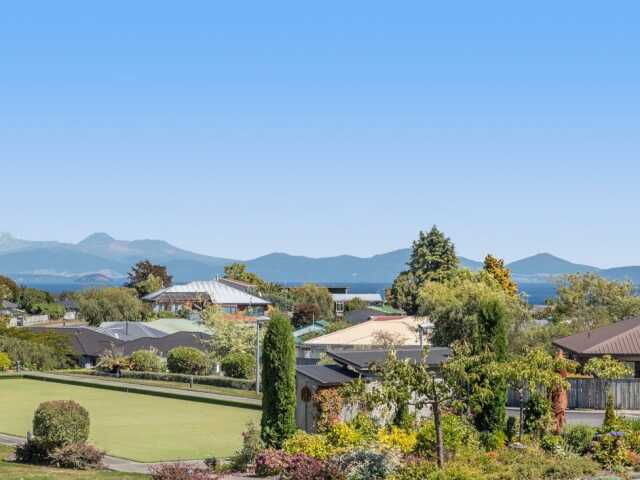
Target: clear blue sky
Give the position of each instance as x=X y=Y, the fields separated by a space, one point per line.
x=319 y=128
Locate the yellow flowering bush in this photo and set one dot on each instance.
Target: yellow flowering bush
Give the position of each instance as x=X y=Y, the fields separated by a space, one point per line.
x=398 y=439
x=343 y=435
x=315 y=446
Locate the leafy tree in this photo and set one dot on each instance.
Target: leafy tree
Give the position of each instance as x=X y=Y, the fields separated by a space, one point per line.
x=5 y=292
x=280 y=296
x=228 y=336
x=29 y=297
x=586 y=301
x=313 y=294
x=138 y=277
x=279 y=382
x=354 y=304
x=238 y=271
x=606 y=368
x=111 y=305
x=11 y=285
x=433 y=258
x=305 y=314
x=495 y=267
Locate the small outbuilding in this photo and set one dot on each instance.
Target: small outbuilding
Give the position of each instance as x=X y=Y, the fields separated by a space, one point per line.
x=621 y=340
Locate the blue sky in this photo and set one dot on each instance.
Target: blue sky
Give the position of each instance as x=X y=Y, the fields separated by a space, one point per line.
x=241 y=128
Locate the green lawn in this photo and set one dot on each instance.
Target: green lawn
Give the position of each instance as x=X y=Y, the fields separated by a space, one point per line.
x=17 y=471
x=140 y=427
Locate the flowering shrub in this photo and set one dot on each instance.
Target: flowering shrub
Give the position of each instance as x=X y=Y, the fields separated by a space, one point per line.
x=78 y=456
x=303 y=467
x=398 y=439
x=343 y=435
x=367 y=465
x=180 y=471
x=271 y=462
x=315 y=446
x=329 y=403
x=365 y=425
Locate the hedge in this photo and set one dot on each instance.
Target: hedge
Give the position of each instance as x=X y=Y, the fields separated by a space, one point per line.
x=214 y=381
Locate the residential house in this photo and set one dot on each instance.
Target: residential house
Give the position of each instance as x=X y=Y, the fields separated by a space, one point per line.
x=341 y=296
x=233 y=297
x=348 y=365
x=621 y=340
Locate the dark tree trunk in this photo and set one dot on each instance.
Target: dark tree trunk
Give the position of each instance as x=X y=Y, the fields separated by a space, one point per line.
x=437 y=419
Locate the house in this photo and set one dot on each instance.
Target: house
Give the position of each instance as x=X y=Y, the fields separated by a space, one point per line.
x=232 y=296
x=362 y=315
x=621 y=340
x=341 y=296
x=71 y=309
x=379 y=332
x=348 y=365
x=90 y=343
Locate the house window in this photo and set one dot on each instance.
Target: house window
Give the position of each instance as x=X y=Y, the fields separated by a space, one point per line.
x=230 y=309
x=339 y=307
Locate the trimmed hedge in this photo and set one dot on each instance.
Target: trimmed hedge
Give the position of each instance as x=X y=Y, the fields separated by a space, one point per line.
x=214 y=381
x=187 y=360
x=239 y=365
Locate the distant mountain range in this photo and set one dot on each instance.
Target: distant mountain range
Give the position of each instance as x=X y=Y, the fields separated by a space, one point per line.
x=101 y=259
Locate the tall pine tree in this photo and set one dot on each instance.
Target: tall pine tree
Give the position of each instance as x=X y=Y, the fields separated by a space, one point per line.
x=278 y=381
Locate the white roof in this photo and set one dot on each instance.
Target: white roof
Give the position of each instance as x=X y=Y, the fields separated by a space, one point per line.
x=218 y=292
x=404 y=329
x=367 y=297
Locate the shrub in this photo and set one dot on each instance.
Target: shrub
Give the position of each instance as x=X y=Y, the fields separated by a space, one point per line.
x=611 y=451
x=33 y=452
x=239 y=365
x=329 y=403
x=146 y=361
x=251 y=447
x=315 y=446
x=609 y=412
x=59 y=423
x=33 y=355
x=302 y=467
x=78 y=456
x=537 y=414
x=343 y=435
x=5 y=362
x=398 y=439
x=188 y=360
x=271 y=462
x=366 y=465
x=457 y=435
x=112 y=362
x=493 y=440
x=578 y=438
x=180 y=471
x=552 y=444
x=365 y=425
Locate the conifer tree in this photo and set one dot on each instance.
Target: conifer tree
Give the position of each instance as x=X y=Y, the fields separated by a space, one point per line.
x=279 y=382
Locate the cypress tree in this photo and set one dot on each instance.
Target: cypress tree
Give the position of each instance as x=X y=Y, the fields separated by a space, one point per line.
x=433 y=256
x=278 y=381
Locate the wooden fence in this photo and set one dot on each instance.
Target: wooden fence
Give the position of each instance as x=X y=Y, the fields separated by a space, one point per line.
x=592 y=394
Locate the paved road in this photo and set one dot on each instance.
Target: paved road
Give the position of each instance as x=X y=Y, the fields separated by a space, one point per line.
x=148 y=389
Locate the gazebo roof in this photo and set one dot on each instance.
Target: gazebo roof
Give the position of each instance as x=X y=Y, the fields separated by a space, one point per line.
x=620 y=338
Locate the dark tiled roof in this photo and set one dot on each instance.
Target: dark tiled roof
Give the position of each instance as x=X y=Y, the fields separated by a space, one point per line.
x=166 y=343
x=620 y=338
x=359 y=316
x=327 y=375
x=363 y=359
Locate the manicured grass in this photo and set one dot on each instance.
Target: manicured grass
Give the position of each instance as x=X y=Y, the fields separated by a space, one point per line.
x=139 y=427
x=17 y=471
x=233 y=392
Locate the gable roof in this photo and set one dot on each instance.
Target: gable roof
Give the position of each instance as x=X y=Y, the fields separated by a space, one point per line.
x=218 y=292
x=620 y=338
x=362 y=360
x=129 y=330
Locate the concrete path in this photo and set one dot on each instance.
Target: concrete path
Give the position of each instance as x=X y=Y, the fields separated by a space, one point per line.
x=127 y=466
x=147 y=389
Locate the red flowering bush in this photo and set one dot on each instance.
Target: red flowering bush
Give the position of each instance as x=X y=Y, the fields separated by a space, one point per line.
x=271 y=462
x=302 y=467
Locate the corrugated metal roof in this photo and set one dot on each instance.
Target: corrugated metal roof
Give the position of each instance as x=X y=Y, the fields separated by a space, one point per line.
x=218 y=292
x=363 y=359
x=620 y=338
x=174 y=325
x=367 y=297
x=129 y=330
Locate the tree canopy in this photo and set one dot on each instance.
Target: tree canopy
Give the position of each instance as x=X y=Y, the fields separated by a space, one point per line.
x=606 y=368
x=100 y=305
x=227 y=335
x=495 y=267
x=316 y=295
x=144 y=276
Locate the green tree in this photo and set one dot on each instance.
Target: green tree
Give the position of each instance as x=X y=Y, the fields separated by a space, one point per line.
x=305 y=314
x=606 y=368
x=111 y=305
x=149 y=285
x=585 y=301
x=433 y=258
x=238 y=271
x=5 y=292
x=228 y=336
x=313 y=294
x=355 y=303
x=495 y=267
x=28 y=298
x=140 y=273
x=279 y=382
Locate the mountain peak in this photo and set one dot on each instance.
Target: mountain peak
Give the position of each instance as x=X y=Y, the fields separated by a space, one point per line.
x=97 y=239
